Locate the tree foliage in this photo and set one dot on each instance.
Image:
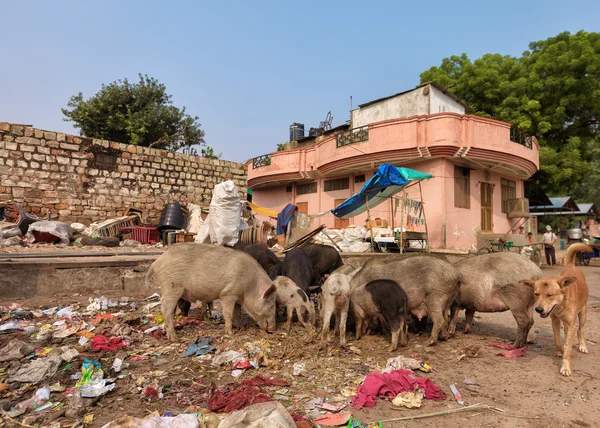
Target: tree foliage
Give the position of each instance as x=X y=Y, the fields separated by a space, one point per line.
x=139 y=113
x=551 y=91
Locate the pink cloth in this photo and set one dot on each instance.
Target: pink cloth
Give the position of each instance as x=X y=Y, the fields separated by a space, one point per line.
x=388 y=385
x=103 y=343
x=510 y=351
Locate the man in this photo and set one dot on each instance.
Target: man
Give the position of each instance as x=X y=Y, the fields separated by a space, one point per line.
x=530 y=238
x=549 y=240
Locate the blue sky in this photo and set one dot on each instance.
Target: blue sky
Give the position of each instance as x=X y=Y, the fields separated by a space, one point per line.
x=249 y=69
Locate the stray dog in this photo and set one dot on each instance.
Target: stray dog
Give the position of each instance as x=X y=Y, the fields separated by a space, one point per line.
x=564 y=298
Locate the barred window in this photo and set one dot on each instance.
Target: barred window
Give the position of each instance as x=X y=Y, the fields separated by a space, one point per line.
x=462 y=187
x=359 y=178
x=509 y=191
x=303 y=189
x=338 y=184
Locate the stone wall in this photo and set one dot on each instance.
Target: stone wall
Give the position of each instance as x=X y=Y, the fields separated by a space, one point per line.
x=83 y=179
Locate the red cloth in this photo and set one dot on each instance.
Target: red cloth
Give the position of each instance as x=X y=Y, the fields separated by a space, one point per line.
x=231 y=397
x=103 y=343
x=388 y=385
x=510 y=351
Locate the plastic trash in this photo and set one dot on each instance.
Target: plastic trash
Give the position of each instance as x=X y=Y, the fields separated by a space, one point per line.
x=199 y=347
x=179 y=421
x=90 y=371
x=409 y=399
x=11 y=325
x=226 y=357
x=49 y=231
x=224 y=214
x=14 y=350
x=66 y=312
x=37 y=370
x=39 y=398
x=271 y=414
x=299 y=369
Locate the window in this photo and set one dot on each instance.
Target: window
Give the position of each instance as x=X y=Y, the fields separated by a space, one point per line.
x=288 y=189
x=509 y=191
x=303 y=189
x=462 y=187
x=104 y=159
x=359 y=178
x=339 y=184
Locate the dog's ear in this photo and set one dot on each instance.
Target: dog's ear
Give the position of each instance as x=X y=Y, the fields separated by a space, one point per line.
x=527 y=283
x=565 y=282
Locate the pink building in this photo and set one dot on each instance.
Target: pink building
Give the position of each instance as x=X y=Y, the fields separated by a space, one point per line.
x=478 y=165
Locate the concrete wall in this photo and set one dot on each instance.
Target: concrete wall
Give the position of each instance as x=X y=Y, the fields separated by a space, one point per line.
x=440 y=102
x=67 y=174
x=408 y=104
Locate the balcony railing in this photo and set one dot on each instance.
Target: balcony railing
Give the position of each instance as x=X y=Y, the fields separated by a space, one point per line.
x=519 y=137
x=264 y=160
x=355 y=135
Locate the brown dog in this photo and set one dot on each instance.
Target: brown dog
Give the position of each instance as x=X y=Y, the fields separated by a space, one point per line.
x=564 y=298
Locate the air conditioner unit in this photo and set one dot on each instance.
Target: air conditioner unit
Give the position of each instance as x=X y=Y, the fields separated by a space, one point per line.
x=517 y=208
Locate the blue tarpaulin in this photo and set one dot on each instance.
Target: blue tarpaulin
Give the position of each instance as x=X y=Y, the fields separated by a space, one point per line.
x=387 y=181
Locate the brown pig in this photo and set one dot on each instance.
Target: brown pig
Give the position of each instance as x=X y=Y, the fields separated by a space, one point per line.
x=429 y=282
x=294 y=299
x=209 y=272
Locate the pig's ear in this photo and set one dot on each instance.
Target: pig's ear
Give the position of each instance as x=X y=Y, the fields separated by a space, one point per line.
x=526 y=282
x=565 y=282
x=272 y=289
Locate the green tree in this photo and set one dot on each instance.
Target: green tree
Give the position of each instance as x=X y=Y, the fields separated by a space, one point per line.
x=136 y=113
x=552 y=91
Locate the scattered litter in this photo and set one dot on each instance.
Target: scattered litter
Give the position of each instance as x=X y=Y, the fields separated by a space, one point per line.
x=299 y=369
x=37 y=370
x=331 y=420
x=103 y=343
x=235 y=397
x=389 y=385
x=199 y=347
x=14 y=350
x=271 y=414
x=237 y=373
x=457 y=395
x=409 y=399
x=10 y=326
x=226 y=357
x=179 y=421
x=332 y=407
x=510 y=351
x=355 y=423
x=470 y=382
x=90 y=371
x=405 y=363
x=69 y=354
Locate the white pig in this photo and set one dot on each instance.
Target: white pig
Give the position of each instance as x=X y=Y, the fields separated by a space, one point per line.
x=335 y=300
x=210 y=272
x=294 y=299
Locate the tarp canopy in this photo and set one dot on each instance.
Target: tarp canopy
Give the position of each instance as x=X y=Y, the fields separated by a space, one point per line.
x=387 y=181
x=262 y=210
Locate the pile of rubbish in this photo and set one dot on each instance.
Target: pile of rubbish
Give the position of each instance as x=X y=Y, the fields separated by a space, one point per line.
x=82 y=363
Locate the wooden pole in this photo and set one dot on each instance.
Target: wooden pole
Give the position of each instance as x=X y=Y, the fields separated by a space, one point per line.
x=392 y=211
x=402 y=223
x=424 y=218
x=369 y=220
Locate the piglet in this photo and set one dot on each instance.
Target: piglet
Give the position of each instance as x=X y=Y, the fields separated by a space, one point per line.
x=294 y=299
x=334 y=301
x=383 y=299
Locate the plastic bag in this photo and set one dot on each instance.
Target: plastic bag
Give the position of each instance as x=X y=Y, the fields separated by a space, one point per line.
x=271 y=414
x=50 y=231
x=224 y=214
x=194 y=218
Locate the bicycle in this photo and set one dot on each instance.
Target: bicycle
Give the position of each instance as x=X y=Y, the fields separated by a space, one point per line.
x=493 y=246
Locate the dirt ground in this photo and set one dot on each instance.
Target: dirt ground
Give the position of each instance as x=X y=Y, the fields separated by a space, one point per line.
x=526 y=392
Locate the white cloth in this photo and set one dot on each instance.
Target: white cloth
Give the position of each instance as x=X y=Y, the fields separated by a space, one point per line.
x=549 y=238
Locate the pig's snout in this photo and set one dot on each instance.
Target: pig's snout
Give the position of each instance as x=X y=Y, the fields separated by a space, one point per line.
x=539 y=309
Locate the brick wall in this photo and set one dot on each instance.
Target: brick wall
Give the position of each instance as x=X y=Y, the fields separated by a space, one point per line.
x=83 y=179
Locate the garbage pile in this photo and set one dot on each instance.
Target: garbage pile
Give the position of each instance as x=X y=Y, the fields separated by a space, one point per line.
x=106 y=362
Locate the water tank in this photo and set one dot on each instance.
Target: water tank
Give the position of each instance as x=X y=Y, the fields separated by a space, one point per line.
x=296 y=131
x=172 y=217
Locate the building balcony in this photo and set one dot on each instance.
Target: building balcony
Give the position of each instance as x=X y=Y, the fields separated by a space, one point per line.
x=470 y=140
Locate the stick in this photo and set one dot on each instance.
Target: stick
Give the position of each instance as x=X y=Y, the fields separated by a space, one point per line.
x=424 y=218
x=327 y=235
x=369 y=217
x=14 y=421
x=430 y=415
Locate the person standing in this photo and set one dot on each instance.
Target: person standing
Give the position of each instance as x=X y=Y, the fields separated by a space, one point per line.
x=549 y=240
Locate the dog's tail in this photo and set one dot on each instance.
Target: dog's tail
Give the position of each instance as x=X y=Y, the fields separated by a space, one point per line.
x=574 y=249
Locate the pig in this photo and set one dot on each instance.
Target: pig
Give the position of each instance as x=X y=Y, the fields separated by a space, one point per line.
x=208 y=272
x=334 y=299
x=325 y=260
x=294 y=299
x=265 y=257
x=296 y=266
x=184 y=307
x=491 y=285
x=429 y=282
x=383 y=299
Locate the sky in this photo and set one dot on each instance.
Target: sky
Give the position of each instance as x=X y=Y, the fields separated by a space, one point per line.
x=249 y=69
